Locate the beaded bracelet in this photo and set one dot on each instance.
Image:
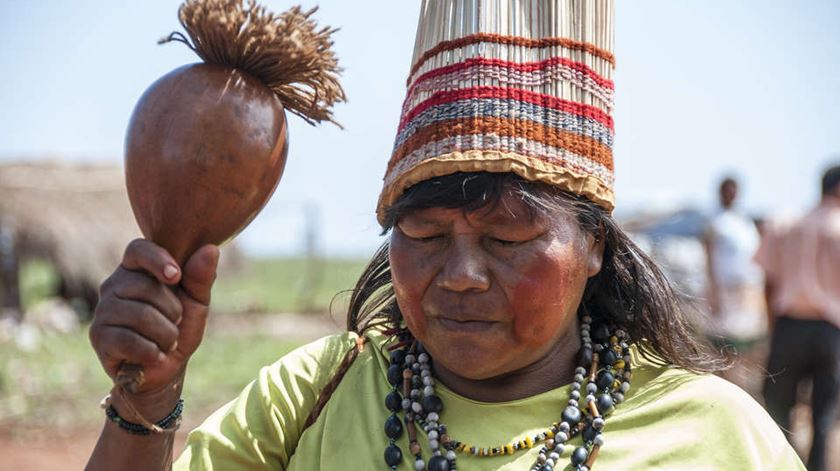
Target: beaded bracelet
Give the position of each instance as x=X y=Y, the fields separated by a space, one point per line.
x=168 y=424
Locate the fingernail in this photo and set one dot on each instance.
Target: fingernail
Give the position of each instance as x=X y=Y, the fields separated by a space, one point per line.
x=170 y=271
x=174 y=346
x=178 y=322
x=161 y=356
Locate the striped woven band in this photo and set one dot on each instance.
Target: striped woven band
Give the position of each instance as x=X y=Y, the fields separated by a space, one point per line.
x=509 y=86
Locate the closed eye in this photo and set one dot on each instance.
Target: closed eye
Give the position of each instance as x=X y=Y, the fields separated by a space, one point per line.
x=505 y=242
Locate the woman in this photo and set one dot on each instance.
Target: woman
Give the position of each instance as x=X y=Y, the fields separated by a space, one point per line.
x=507 y=324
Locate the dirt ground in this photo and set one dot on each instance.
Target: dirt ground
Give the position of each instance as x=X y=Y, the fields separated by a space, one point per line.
x=70 y=450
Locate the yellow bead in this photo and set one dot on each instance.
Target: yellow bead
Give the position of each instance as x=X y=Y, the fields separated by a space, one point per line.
x=529 y=442
x=619 y=364
x=616 y=384
x=509 y=449
x=613 y=340
x=549 y=434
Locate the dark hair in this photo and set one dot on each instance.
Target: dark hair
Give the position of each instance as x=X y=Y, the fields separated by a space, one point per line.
x=830 y=180
x=728 y=181
x=630 y=291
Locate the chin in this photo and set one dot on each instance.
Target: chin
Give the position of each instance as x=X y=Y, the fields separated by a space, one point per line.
x=471 y=360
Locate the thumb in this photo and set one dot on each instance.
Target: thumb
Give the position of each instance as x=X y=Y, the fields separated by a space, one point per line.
x=198 y=276
x=200 y=273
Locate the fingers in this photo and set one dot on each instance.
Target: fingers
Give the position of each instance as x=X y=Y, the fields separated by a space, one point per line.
x=144 y=255
x=200 y=273
x=116 y=345
x=135 y=286
x=145 y=320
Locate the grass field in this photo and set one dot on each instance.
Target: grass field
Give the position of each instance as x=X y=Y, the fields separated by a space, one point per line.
x=58 y=384
x=287 y=285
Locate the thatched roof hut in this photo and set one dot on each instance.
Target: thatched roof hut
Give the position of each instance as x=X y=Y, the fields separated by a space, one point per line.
x=76 y=216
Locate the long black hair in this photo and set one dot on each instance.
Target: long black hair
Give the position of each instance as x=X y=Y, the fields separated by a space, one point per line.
x=630 y=291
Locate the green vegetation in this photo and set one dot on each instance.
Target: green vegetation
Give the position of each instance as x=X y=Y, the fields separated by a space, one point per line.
x=38 y=280
x=58 y=385
x=287 y=285
x=261 y=285
x=56 y=382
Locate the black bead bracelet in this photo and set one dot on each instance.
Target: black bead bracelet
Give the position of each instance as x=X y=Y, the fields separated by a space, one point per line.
x=168 y=423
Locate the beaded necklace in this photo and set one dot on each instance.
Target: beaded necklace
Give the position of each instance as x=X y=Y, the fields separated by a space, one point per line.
x=413 y=394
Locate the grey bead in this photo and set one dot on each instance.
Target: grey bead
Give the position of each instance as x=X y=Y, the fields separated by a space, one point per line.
x=410 y=359
x=419 y=465
x=575 y=395
x=406 y=404
x=428 y=391
x=416 y=407
x=573 y=402
x=451 y=455
x=433 y=435
x=580 y=370
x=428 y=381
x=583 y=467
x=559 y=449
x=598 y=347
x=434 y=444
x=423 y=358
x=590 y=398
x=425 y=373
x=598 y=440
x=432 y=417
x=625 y=386
x=549 y=462
x=618 y=398
x=575 y=386
x=554 y=455
x=561 y=437
x=591 y=388
x=541 y=458
x=578 y=378
x=587 y=320
x=598 y=423
x=564 y=427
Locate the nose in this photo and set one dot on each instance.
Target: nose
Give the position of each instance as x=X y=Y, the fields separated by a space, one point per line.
x=465 y=268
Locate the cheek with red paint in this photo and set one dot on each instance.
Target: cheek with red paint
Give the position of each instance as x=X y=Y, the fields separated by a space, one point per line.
x=545 y=298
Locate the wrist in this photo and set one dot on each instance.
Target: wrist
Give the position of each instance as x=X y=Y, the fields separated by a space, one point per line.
x=152 y=405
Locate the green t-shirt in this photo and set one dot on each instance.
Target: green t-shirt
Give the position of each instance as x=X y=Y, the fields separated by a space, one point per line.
x=671 y=420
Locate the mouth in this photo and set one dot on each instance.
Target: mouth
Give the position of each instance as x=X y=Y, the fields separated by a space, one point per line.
x=465 y=326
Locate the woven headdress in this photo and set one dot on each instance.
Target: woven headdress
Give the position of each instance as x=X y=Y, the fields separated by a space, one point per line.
x=521 y=86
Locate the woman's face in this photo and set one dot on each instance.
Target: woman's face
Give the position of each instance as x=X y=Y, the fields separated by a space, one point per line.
x=491 y=291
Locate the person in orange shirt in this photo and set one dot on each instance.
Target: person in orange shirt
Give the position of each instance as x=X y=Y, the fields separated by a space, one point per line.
x=802 y=268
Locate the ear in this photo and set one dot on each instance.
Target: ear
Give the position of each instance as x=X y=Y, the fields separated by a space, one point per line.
x=595 y=255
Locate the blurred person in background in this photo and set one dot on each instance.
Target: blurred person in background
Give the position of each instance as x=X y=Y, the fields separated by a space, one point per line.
x=734 y=281
x=802 y=264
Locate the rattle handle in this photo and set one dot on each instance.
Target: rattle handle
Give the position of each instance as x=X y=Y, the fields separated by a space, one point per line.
x=130 y=377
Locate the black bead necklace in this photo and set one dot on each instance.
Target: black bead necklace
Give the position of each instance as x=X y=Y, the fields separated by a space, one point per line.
x=606 y=380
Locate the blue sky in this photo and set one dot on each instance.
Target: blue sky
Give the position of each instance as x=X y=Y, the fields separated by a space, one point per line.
x=704 y=88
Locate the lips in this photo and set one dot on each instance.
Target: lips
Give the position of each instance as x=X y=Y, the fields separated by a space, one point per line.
x=465 y=326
